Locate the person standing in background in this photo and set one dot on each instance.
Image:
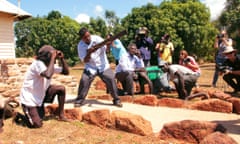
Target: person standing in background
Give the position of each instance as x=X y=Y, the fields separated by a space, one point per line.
x=144 y=44
x=221 y=42
x=116 y=47
x=166 y=49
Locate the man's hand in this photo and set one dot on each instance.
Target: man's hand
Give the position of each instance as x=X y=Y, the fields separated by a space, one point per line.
x=60 y=54
x=53 y=54
x=227 y=72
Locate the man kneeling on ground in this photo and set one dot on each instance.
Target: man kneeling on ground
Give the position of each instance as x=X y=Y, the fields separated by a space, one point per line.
x=37 y=90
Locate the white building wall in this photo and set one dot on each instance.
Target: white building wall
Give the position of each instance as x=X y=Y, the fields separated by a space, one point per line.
x=7 y=44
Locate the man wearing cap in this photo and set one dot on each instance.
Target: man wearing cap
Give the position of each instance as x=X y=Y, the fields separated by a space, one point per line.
x=144 y=44
x=96 y=64
x=231 y=74
x=37 y=90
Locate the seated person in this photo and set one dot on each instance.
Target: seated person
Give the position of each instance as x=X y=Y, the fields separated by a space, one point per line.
x=183 y=78
x=231 y=70
x=131 y=67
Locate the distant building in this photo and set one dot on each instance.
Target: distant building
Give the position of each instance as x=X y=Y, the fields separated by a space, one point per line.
x=9 y=14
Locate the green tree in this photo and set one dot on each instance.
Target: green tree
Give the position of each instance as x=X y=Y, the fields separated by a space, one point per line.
x=54 y=15
x=230 y=17
x=187 y=21
x=230 y=20
x=111 y=19
x=61 y=33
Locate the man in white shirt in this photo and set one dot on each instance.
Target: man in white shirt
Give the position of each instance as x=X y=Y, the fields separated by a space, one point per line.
x=96 y=64
x=183 y=78
x=131 y=65
x=37 y=89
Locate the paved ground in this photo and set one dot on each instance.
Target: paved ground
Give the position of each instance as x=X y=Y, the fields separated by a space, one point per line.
x=158 y=116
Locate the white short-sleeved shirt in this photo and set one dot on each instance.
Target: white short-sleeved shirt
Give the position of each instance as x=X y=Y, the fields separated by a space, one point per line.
x=175 y=67
x=129 y=62
x=34 y=85
x=98 y=61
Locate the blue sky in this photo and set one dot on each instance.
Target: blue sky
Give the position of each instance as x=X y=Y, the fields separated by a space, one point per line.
x=81 y=10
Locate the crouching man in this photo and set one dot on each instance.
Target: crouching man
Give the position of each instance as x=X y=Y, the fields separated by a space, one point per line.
x=37 y=90
x=183 y=78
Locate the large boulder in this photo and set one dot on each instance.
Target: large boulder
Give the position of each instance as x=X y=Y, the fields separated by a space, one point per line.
x=150 y=100
x=131 y=123
x=214 y=105
x=236 y=104
x=218 y=138
x=73 y=114
x=171 y=102
x=100 y=118
x=189 y=131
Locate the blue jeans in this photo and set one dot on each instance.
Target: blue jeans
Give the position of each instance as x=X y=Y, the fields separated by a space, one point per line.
x=218 y=61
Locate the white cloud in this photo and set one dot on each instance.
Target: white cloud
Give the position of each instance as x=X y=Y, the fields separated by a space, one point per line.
x=215 y=6
x=83 y=18
x=98 y=10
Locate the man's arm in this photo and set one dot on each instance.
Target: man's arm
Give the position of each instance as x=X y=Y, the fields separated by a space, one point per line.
x=101 y=44
x=179 y=76
x=65 y=68
x=50 y=68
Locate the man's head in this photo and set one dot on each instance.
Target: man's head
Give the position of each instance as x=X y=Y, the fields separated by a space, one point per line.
x=132 y=48
x=85 y=35
x=44 y=54
x=163 y=65
x=230 y=52
x=165 y=39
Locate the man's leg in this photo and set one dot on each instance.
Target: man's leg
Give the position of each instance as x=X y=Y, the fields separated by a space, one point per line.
x=108 y=78
x=32 y=118
x=182 y=94
x=143 y=77
x=229 y=79
x=60 y=91
x=84 y=86
x=189 y=83
x=126 y=80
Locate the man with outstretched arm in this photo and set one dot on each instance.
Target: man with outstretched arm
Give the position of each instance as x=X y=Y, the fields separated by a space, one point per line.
x=96 y=64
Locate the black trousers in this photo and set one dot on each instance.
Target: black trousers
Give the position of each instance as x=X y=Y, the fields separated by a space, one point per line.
x=107 y=77
x=232 y=80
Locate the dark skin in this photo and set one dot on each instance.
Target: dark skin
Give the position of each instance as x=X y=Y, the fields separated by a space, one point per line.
x=87 y=39
x=48 y=74
x=141 y=71
x=50 y=68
